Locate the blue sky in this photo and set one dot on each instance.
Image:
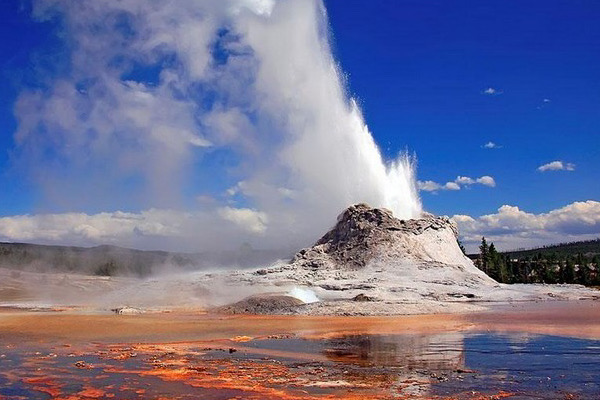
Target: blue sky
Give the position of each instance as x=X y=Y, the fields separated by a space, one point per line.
x=440 y=79
x=419 y=69
x=19 y=35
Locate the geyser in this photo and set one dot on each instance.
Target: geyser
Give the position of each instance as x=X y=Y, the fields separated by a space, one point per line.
x=238 y=103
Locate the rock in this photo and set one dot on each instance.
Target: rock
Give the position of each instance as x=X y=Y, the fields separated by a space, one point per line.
x=459 y=295
x=82 y=365
x=261 y=304
x=127 y=311
x=362 y=297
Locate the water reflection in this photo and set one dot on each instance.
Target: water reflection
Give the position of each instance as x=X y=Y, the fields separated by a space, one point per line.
x=522 y=364
x=442 y=352
x=436 y=366
x=457 y=365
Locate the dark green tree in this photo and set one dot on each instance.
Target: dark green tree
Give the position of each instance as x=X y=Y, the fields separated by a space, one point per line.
x=525 y=274
x=594 y=275
x=512 y=268
x=494 y=263
x=569 y=271
x=549 y=268
x=484 y=256
x=461 y=247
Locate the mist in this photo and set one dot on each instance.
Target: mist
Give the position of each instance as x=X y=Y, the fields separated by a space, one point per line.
x=195 y=125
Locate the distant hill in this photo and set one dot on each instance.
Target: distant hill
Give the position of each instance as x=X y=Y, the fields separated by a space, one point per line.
x=588 y=248
x=113 y=260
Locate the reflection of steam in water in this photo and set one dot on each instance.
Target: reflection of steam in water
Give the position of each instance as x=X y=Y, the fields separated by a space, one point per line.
x=444 y=352
x=413 y=363
x=536 y=366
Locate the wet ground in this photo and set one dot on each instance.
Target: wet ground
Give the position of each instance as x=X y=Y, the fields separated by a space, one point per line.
x=518 y=352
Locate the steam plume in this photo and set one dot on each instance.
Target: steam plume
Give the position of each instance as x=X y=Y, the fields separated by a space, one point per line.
x=232 y=113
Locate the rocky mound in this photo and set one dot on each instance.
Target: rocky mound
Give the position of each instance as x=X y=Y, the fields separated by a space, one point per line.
x=371 y=263
x=364 y=235
x=261 y=304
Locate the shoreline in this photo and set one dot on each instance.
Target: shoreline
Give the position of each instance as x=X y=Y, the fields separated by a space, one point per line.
x=574 y=318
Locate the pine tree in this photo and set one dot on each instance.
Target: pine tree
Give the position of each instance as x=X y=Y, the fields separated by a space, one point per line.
x=550 y=268
x=494 y=263
x=583 y=272
x=569 y=271
x=461 y=247
x=595 y=279
x=484 y=256
x=503 y=272
x=527 y=271
x=562 y=271
x=512 y=269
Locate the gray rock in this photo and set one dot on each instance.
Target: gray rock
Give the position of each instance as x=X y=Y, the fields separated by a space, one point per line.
x=362 y=297
x=261 y=304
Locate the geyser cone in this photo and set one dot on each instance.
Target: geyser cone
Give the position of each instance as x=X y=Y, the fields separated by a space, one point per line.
x=363 y=236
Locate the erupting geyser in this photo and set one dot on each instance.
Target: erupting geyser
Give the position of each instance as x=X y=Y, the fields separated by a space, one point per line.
x=328 y=148
x=239 y=103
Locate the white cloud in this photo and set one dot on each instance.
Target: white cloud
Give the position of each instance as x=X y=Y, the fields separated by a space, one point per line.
x=487 y=181
x=457 y=184
x=490 y=91
x=512 y=228
x=429 y=186
x=557 y=166
x=213 y=229
x=92 y=229
x=451 y=186
x=491 y=145
x=464 y=180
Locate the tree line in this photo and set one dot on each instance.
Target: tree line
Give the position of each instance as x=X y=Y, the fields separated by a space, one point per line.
x=538 y=268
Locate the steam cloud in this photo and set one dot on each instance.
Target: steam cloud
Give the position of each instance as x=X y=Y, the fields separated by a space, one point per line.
x=227 y=120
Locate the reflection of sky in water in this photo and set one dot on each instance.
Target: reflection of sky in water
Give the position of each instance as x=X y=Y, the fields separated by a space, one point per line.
x=530 y=365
